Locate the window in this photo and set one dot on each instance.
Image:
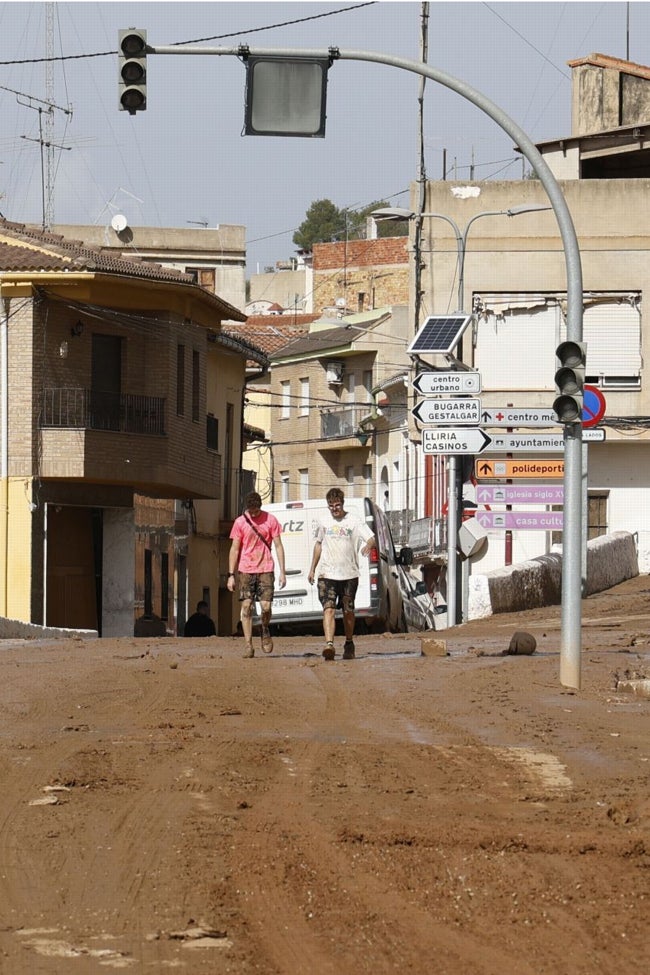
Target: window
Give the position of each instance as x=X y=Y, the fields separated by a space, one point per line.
x=196 y=384
x=367 y=384
x=229 y=457
x=361 y=301
x=349 y=480
x=517 y=335
x=367 y=479
x=351 y=386
x=164 y=585
x=148 y=582
x=303 y=477
x=211 y=432
x=515 y=347
x=612 y=331
x=285 y=402
x=180 y=380
x=597 y=514
x=304 y=396
x=284 y=486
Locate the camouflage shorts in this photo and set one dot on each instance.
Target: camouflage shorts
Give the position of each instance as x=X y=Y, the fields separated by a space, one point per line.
x=337 y=593
x=258 y=588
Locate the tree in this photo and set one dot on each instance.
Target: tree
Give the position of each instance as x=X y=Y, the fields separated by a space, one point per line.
x=325 y=222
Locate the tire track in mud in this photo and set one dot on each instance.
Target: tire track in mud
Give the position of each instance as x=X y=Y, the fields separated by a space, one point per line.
x=297 y=863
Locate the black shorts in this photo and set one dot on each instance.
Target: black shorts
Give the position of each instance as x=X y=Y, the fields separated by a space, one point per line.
x=337 y=593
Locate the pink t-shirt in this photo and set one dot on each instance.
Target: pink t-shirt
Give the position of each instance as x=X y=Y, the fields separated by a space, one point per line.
x=254 y=555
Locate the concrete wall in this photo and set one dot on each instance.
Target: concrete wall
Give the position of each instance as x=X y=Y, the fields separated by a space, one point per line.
x=17 y=630
x=118 y=572
x=610 y=559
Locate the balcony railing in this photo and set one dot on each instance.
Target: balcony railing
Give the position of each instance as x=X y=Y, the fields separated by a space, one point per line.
x=342 y=423
x=90 y=410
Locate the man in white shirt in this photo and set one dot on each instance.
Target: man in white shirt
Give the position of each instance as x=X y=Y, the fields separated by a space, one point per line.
x=340 y=538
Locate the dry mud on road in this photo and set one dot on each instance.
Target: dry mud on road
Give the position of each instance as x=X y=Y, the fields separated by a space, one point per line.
x=169 y=806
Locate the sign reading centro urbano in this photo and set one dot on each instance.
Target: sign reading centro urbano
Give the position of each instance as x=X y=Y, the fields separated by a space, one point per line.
x=447 y=383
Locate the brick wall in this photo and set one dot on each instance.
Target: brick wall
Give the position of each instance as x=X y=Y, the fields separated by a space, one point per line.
x=365 y=273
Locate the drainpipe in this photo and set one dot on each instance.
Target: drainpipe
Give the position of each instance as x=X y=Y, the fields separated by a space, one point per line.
x=4 y=441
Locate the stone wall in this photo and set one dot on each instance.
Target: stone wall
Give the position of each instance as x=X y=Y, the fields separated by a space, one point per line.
x=610 y=559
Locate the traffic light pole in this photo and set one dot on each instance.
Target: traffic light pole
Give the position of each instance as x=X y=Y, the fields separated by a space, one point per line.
x=570 y=649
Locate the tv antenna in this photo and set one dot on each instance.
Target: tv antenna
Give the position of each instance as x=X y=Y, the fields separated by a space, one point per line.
x=199 y=223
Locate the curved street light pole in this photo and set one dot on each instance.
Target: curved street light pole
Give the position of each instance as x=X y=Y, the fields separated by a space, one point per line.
x=572 y=534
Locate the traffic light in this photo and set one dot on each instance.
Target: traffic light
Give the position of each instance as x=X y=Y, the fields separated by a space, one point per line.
x=133 y=70
x=570 y=381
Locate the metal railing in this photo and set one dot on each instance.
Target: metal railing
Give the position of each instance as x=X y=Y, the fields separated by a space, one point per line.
x=342 y=423
x=72 y=407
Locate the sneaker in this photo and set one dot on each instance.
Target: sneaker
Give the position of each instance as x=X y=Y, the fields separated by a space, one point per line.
x=328 y=652
x=249 y=651
x=267 y=642
x=348 y=650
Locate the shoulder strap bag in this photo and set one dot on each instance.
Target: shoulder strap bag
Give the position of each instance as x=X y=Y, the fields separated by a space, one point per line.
x=259 y=534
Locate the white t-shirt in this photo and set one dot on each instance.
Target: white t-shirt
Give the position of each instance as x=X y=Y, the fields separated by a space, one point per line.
x=341 y=540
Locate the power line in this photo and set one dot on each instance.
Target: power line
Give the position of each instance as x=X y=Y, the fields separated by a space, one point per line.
x=215 y=37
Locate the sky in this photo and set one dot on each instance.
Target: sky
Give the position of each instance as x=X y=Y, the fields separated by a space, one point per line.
x=185 y=162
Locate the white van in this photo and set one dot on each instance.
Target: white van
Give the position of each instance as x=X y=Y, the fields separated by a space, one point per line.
x=378 y=603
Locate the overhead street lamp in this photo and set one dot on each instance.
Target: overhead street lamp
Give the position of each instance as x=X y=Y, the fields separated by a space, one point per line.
x=454 y=469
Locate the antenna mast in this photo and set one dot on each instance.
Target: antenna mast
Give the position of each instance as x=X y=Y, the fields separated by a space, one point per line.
x=48 y=216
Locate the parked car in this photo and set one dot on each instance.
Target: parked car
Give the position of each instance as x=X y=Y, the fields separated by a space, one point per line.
x=418 y=605
x=380 y=596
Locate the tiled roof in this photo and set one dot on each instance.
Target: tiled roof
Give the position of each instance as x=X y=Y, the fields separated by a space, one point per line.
x=27 y=248
x=272 y=332
x=30 y=249
x=330 y=338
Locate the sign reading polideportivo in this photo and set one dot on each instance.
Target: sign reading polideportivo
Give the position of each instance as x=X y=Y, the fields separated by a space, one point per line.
x=530 y=469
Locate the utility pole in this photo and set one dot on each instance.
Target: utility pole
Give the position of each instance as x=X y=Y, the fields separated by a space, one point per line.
x=48 y=216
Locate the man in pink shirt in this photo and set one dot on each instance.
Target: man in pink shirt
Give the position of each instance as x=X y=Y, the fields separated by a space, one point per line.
x=252 y=535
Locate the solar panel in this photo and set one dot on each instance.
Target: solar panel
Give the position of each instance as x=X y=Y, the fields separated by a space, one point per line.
x=439 y=333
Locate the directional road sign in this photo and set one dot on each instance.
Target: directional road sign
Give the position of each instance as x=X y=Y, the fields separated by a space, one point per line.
x=534 y=442
x=447 y=383
x=520 y=494
x=456 y=440
x=508 y=416
x=529 y=469
x=548 y=521
x=466 y=410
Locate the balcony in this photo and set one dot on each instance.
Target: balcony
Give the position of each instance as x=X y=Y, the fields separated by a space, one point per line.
x=86 y=409
x=343 y=428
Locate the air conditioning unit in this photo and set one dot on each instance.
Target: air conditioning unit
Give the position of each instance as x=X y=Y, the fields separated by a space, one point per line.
x=334 y=373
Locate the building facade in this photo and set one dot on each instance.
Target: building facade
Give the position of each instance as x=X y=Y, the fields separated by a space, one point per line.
x=117 y=383
x=515 y=280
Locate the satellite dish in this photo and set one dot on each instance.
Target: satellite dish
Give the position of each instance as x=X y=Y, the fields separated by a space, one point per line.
x=119 y=223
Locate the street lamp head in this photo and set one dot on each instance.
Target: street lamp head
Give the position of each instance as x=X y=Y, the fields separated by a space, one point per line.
x=392 y=213
x=526 y=208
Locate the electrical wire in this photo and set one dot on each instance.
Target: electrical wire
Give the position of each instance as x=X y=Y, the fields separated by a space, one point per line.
x=215 y=37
